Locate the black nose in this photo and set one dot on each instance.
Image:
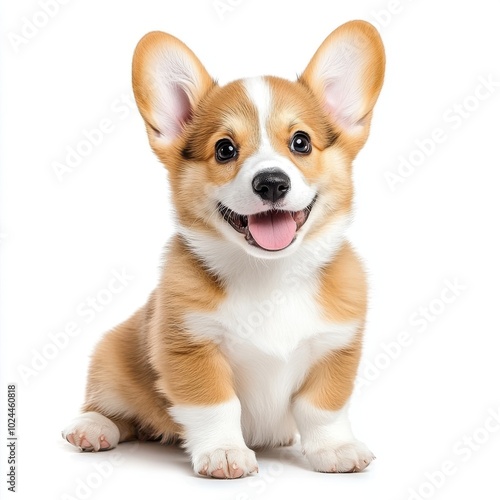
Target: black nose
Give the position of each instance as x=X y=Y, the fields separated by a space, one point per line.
x=271 y=185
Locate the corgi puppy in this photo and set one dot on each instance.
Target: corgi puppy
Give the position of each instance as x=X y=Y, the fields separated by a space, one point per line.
x=254 y=331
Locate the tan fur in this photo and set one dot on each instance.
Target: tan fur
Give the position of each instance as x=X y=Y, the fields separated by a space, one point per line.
x=343 y=298
x=330 y=382
x=151 y=349
x=343 y=288
x=297 y=108
x=120 y=368
x=224 y=113
x=190 y=372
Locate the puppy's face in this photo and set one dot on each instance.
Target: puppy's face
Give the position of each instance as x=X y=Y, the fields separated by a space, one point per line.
x=263 y=162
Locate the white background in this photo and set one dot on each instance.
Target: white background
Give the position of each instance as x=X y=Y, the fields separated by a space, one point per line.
x=61 y=239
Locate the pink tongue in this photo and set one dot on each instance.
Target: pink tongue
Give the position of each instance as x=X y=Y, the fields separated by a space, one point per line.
x=272 y=230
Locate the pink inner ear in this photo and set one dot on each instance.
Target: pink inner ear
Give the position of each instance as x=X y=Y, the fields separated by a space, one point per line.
x=342 y=101
x=178 y=112
x=332 y=104
x=182 y=105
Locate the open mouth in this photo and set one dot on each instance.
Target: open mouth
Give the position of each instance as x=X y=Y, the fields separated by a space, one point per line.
x=273 y=230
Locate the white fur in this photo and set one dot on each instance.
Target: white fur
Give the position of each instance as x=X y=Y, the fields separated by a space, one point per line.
x=234 y=263
x=259 y=93
x=212 y=435
x=92 y=427
x=327 y=439
x=270 y=326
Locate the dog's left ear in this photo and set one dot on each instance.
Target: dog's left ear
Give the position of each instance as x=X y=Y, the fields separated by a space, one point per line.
x=346 y=73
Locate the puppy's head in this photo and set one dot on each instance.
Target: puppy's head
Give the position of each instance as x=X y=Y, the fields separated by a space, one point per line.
x=263 y=163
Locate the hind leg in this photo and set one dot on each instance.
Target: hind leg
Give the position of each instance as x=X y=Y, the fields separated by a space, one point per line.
x=121 y=400
x=92 y=431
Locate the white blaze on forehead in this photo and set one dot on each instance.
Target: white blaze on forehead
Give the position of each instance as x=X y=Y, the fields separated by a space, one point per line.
x=259 y=93
x=238 y=194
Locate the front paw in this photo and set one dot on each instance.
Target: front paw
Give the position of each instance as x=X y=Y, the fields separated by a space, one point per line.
x=352 y=456
x=225 y=463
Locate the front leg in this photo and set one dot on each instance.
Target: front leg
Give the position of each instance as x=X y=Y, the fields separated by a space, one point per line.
x=198 y=381
x=320 y=410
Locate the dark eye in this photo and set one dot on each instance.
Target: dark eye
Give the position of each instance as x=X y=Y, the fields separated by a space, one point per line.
x=300 y=143
x=225 y=151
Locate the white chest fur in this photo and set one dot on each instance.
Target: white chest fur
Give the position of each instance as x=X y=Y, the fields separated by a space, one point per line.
x=272 y=330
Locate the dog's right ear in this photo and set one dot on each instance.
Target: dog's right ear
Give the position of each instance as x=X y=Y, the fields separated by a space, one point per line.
x=169 y=81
